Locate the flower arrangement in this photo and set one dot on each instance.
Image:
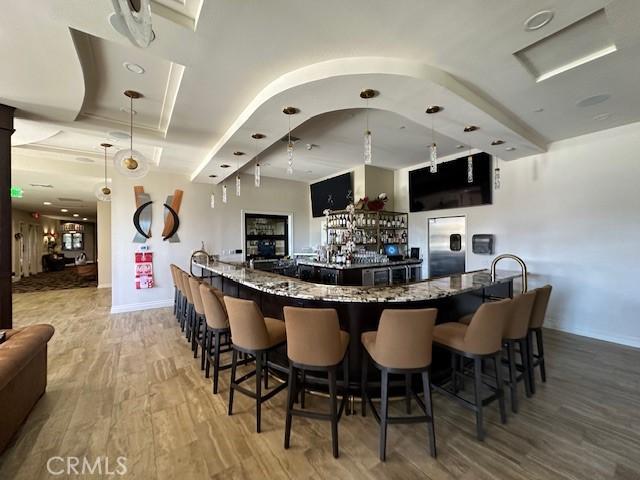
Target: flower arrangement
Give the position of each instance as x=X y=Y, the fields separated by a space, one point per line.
x=372 y=205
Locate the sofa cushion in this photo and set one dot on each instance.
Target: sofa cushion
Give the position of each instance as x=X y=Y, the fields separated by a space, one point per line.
x=20 y=347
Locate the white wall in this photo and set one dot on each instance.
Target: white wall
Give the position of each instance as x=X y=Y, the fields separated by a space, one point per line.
x=218 y=228
x=103 y=231
x=573 y=215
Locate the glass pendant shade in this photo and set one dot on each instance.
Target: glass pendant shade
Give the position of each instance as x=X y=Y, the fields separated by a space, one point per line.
x=213 y=200
x=290 y=158
x=238 y=185
x=367 y=147
x=131 y=163
x=224 y=194
x=433 y=167
x=256 y=175
x=496 y=179
x=103 y=191
x=470 y=169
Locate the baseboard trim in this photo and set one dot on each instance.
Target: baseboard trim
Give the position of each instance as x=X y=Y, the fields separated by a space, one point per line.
x=135 y=307
x=597 y=335
x=104 y=285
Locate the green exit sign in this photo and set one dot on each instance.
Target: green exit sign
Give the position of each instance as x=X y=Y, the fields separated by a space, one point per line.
x=16 y=192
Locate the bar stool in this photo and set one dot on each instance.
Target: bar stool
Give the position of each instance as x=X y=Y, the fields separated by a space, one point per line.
x=176 y=291
x=402 y=345
x=217 y=333
x=189 y=312
x=535 y=327
x=480 y=340
x=256 y=335
x=316 y=343
x=197 y=335
x=182 y=298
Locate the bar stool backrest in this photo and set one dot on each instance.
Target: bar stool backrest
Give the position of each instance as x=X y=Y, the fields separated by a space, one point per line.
x=313 y=336
x=194 y=287
x=484 y=333
x=186 y=287
x=214 y=310
x=248 y=329
x=540 y=306
x=404 y=339
x=172 y=267
x=517 y=325
x=178 y=276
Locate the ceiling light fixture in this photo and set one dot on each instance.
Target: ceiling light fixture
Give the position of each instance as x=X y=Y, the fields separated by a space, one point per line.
x=224 y=193
x=470 y=167
x=76 y=215
x=104 y=192
x=538 y=20
x=85 y=218
x=497 y=142
x=593 y=100
x=46 y=203
x=256 y=174
x=258 y=136
x=133 y=68
x=433 y=168
x=366 y=95
x=212 y=198
x=130 y=162
x=510 y=149
x=64 y=210
x=496 y=175
x=460 y=147
x=224 y=165
x=290 y=111
x=470 y=128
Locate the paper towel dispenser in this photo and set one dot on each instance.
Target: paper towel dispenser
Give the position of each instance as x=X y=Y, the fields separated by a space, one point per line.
x=482 y=244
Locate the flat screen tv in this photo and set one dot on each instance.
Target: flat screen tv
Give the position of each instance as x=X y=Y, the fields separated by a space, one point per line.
x=334 y=193
x=449 y=187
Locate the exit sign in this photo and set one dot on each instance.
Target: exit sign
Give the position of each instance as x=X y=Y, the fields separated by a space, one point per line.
x=16 y=192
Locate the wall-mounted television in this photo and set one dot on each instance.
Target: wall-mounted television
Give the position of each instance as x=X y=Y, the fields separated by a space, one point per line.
x=449 y=186
x=334 y=193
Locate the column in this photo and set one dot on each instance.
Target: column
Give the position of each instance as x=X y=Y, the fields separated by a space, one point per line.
x=6 y=129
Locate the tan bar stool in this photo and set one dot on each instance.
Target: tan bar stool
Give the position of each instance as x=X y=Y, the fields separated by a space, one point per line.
x=316 y=343
x=217 y=334
x=535 y=327
x=402 y=345
x=189 y=313
x=197 y=335
x=176 y=291
x=256 y=335
x=480 y=340
x=182 y=299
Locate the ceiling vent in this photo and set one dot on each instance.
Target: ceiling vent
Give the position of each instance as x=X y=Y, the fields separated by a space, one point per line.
x=65 y=200
x=581 y=42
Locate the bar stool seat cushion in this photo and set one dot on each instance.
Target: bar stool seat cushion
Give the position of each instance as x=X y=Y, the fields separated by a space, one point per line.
x=276 y=331
x=466 y=319
x=451 y=334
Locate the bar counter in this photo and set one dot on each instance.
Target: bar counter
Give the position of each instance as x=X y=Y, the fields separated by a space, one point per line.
x=359 y=307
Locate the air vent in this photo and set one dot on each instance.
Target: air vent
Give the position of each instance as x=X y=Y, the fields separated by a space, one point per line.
x=581 y=42
x=65 y=200
x=41 y=185
x=285 y=139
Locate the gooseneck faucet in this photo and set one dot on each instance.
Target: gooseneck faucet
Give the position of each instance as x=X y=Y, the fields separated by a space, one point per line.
x=523 y=268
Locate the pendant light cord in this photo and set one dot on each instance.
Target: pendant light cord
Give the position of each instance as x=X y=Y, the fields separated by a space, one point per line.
x=105 y=166
x=367 y=117
x=131 y=124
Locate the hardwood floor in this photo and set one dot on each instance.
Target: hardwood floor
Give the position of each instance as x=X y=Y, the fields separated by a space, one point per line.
x=127 y=385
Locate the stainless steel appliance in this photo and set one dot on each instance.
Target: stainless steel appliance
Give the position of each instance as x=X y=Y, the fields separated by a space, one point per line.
x=447 y=245
x=376 y=276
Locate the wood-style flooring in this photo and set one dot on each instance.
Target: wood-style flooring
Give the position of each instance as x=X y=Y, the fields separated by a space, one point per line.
x=127 y=385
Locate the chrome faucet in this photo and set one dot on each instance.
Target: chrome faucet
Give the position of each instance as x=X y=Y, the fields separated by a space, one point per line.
x=523 y=268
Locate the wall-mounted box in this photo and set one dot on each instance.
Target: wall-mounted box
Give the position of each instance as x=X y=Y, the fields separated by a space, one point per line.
x=482 y=244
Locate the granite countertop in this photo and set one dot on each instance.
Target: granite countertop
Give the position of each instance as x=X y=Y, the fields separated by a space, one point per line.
x=337 y=266
x=276 y=284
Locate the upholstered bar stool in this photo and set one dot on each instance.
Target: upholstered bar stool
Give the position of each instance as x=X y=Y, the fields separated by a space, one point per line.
x=256 y=335
x=182 y=298
x=197 y=335
x=316 y=343
x=217 y=333
x=402 y=345
x=189 y=313
x=535 y=327
x=176 y=291
x=480 y=340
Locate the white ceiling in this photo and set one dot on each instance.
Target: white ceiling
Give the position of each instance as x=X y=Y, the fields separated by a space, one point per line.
x=211 y=60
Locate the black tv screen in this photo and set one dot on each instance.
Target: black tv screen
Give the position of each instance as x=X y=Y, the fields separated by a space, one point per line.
x=334 y=193
x=449 y=187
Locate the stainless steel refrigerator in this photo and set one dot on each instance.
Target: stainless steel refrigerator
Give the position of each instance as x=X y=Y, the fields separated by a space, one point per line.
x=447 y=242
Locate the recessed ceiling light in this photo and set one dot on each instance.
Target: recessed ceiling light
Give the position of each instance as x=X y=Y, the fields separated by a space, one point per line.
x=224 y=165
x=510 y=149
x=602 y=116
x=85 y=218
x=433 y=109
x=128 y=110
x=213 y=176
x=497 y=142
x=237 y=154
x=258 y=136
x=85 y=160
x=46 y=203
x=538 y=110
x=309 y=171
x=64 y=210
x=120 y=135
x=459 y=147
x=593 y=100
x=538 y=20
x=76 y=215
x=470 y=128
x=133 y=68
x=402 y=127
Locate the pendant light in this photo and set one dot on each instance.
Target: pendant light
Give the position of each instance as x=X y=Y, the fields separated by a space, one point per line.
x=213 y=194
x=103 y=192
x=224 y=193
x=238 y=180
x=290 y=111
x=433 y=157
x=130 y=162
x=496 y=175
x=256 y=174
x=366 y=95
x=470 y=168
